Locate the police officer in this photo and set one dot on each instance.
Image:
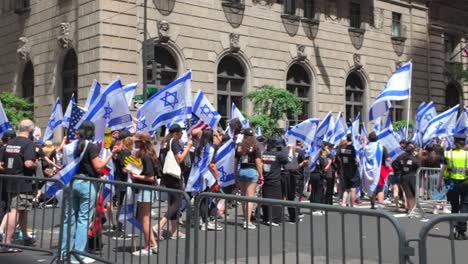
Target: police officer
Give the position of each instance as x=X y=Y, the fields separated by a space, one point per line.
x=274 y=158
x=455 y=170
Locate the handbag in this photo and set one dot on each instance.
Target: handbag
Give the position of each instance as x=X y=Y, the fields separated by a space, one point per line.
x=171 y=167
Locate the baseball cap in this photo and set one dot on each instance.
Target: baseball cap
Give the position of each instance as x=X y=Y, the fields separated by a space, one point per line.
x=175 y=128
x=248 y=132
x=124 y=134
x=10 y=134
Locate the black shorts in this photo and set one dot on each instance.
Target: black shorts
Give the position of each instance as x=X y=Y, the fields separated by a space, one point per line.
x=408 y=182
x=351 y=182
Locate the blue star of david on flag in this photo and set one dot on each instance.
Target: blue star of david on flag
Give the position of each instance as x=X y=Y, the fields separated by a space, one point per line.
x=107 y=111
x=171 y=103
x=206 y=110
x=141 y=124
x=222 y=173
x=51 y=122
x=428 y=117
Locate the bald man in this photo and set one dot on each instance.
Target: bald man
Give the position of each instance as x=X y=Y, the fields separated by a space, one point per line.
x=18 y=158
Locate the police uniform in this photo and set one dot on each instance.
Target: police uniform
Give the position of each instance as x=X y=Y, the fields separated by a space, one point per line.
x=456 y=176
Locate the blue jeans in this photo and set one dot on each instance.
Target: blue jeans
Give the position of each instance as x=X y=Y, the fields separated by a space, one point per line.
x=82 y=203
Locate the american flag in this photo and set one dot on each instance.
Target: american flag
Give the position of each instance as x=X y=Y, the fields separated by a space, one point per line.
x=196 y=122
x=77 y=113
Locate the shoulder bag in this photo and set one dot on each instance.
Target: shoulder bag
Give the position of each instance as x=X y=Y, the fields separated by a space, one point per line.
x=171 y=167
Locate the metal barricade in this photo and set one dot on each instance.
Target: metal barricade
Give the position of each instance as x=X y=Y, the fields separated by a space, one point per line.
x=445 y=232
x=426 y=178
x=116 y=246
x=33 y=221
x=328 y=234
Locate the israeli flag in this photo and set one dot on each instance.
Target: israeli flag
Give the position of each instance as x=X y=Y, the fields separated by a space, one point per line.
x=224 y=157
x=461 y=127
x=172 y=102
x=68 y=112
x=70 y=169
x=55 y=120
x=129 y=91
x=322 y=131
x=372 y=161
x=205 y=110
x=364 y=130
x=4 y=123
x=340 y=130
x=109 y=110
x=418 y=115
x=331 y=126
x=93 y=94
x=305 y=132
x=396 y=89
x=441 y=125
x=356 y=135
x=235 y=112
x=388 y=123
x=390 y=142
x=200 y=176
x=427 y=114
x=258 y=131
x=128 y=211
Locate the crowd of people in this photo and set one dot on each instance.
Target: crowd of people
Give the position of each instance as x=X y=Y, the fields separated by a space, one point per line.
x=265 y=167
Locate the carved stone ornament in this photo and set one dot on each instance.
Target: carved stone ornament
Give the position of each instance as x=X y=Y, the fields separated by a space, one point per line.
x=378 y=18
x=398 y=64
x=163 y=31
x=357 y=61
x=234 y=42
x=332 y=10
x=264 y=2
x=64 y=40
x=23 y=49
x=301 y=53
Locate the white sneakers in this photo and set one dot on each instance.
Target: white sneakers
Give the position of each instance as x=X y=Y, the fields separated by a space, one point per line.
x=85 y=260
x=249 y=226
x=211 y=226
x=318 y=213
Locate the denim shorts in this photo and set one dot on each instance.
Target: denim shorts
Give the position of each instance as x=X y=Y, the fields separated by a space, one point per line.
x=247 y=175
x=146 y=196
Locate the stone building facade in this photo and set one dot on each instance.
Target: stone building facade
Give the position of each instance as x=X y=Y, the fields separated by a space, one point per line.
x=335 y=54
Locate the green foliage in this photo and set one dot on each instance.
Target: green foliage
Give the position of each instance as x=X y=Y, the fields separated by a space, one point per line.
x=456 y=71
x=271 y=105
x=400 y=124
x=16 y=108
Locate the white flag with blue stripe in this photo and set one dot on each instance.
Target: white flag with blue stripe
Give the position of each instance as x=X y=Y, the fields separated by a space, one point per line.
x=258 y=132
x=428 y=113
x=461 y=126
x=418 y=116
x=236 y=113
x=356 y=135
x=378 y=124
x=4 y=123
x=93 y=94
x=200 y=176
x=388 y=139
x=55 y=120
x=68 y=112
x=172 y=102
x=110 y=110
x=371 y=161
x=441 y=125
x=340 y=130
x=224 y=162
x=129 y=91
x=364 y=130
x=396 y=89
x=305 y=132
x=322 y=131
x=331 y=127
x=205 y=110
x=388 y=123
x=128 y=211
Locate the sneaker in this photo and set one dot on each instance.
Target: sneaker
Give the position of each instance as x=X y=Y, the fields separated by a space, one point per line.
x=446 y=211
x=177 y=235
x=271 y=223
x=214 y=227
x=295 y=222
x=317 y=213
x=301 y=215
x=460 y=236
x=155 y=250
x=249 y=226
x=87 y=260
x=435 y=210
x=142 y=252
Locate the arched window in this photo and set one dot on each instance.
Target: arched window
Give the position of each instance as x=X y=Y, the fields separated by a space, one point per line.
x=396 y=111
x=162 y=70
x=231 y=82
x=298 y=83
x=27 y=83
x=452 y=95
x=354 y=96
x=69 y=77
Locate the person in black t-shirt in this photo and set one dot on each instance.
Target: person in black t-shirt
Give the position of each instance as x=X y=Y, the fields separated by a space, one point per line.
x=83 y=193
x=346 y=157
x=274 y=158
x=17 y=158
x=408 y=168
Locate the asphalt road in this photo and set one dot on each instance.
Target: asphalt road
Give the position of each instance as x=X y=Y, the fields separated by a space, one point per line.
x=321 y=236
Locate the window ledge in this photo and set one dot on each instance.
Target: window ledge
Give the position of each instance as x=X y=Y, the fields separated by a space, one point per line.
x=356 y=30
x=290 y=17
x=23 y=10
x=239 y=6
x=399 y=39
x=311 y=21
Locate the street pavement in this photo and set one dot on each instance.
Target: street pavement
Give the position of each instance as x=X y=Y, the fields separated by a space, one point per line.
x=321 y=236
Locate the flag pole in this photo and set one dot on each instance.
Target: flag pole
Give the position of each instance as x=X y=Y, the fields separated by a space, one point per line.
x=409 y=101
